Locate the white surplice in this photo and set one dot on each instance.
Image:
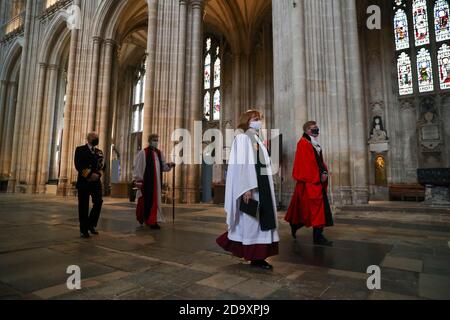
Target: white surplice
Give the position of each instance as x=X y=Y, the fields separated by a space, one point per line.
x=241 y=177
x=139 y=171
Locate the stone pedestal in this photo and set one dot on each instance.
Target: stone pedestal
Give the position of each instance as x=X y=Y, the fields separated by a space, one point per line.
x=437 y=195
x=11 y=186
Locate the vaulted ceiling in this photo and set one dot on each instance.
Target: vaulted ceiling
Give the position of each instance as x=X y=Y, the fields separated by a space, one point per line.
x=133 y=47
x=237 y=20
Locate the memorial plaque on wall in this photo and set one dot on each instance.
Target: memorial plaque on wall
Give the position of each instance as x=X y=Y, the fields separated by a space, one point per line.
x=430 y=132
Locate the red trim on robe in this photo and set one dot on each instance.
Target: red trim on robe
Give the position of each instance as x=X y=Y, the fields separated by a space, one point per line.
x=250 y=252
x=153 y=217
x=307 y=204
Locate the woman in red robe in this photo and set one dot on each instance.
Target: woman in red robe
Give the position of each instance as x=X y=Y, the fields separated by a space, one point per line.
x=309 y=205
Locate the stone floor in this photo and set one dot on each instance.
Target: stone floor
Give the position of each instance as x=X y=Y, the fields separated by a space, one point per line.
x=39 y=239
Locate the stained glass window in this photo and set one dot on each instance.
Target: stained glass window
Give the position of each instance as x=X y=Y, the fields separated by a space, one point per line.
x=441 y=23
x=207 y=106
x=404 y=74
x=217 y=105
x=217 y=66
x=420 y=18
x=422 y=41
x=138 y=98
x=401 y=30
x=424 y=71
x=138 y=91
x=212 y=78
x=444 y=66
x=208 y=71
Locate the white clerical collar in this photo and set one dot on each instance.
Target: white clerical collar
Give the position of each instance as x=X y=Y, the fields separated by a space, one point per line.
x=314 y=141
x=316 y=144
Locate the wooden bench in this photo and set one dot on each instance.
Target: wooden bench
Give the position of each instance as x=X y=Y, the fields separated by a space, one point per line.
x=406 y=192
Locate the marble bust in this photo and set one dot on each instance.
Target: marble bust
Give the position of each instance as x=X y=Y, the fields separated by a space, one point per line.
x=378 y=134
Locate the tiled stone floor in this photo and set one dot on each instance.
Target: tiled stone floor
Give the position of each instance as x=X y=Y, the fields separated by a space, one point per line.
x=39 y=239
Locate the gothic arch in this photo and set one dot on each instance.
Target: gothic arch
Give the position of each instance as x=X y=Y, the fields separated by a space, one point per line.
x=114 y=17
x=56 y=34
x=12 y=56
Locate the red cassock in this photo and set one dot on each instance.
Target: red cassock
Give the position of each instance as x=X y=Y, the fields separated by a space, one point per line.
x=308 y=204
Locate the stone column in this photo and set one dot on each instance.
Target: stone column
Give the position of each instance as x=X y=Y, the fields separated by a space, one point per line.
x=193 y=176
x=104 y=108
x=20 y=98
x=358 y=145
x=181 y=87
x=8 y=130
x=299 y=67
x=150 y=73
x=298 y=115
x=46 y=131
x=38 y=136
x=94 y=82
x=3 y=113
x=66 y=161
x=338 y=131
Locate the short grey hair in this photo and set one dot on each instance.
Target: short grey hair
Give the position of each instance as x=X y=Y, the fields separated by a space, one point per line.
x=91 y=135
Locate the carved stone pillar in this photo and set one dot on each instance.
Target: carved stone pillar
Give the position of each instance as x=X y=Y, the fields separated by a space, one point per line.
x=193 y=177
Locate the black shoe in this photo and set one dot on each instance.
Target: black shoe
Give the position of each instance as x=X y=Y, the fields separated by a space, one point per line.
x=261 y=264
x=294 y=229
x=323 y=242
x=155 y=227
x=93 y=231
x=266 y=266
x=85 y=235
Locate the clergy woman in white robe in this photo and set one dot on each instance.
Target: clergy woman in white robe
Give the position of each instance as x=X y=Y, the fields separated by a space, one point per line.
x=147 y=176
x=249 y=176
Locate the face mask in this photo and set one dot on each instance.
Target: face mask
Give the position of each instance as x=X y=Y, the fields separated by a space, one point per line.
x=95 y=142
x=315 y=132
x=256 y=125
x=154 y=144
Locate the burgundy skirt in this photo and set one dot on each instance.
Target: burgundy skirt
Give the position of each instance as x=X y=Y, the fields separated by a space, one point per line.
x=249 y=253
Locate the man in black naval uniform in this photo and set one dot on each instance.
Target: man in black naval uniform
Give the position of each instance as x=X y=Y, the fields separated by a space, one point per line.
x=90 y=164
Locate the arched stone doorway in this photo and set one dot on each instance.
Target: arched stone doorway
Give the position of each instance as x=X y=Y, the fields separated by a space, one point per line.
x=44 y=168
x=9 y=82
x=243 y=29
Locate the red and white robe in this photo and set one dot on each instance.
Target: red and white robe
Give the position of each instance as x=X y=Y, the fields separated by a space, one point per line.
x=245 y=237
x=148 y=208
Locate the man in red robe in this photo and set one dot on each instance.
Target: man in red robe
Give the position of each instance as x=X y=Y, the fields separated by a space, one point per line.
x=148 y=168
x=310 y=206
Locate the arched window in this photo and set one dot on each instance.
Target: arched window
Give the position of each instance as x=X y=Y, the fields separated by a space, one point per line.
x=212 y=100
x=422 y=42
x=137 y=124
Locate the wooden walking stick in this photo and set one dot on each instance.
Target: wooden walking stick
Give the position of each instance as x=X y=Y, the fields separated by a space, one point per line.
x=173 y=188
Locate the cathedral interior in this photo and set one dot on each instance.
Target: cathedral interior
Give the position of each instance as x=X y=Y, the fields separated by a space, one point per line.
x=132 y=68
x=374 y=74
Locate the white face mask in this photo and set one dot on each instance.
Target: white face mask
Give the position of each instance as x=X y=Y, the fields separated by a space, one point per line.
x=257 y=125
x=154 y=144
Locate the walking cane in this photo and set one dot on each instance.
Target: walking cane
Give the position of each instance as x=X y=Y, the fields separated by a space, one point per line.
x=173 y=194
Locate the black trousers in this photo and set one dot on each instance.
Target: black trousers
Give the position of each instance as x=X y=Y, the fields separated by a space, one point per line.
x=89 y=220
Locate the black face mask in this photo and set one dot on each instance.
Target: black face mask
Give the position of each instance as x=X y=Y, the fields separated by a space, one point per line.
x=95 y=142
x=315 y=131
